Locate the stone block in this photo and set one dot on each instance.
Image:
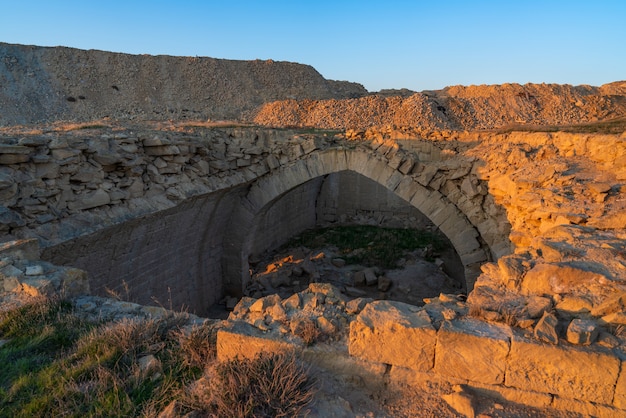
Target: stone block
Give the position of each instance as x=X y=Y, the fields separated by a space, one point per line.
x=548 y=279
x=358 y=161
x=14 y=149
x=619 y=399
x=370 y=277
x=616 y=303
x=74 y=282
x=587 y=409
x=161 y=150
x=242 y=340
x=91 y=200
x=511 y=267
x=22 y=249
x=473 y=350
x=407 y=166
x=460 y=402
x=582 y=331
x=10 y=217
x=7 y=159
x=519 y=396
x=570 y=372
x=545 y=330
x=407 y=188
x=394 y=333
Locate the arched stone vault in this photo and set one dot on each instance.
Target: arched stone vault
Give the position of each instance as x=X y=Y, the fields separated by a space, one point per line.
x=472 y=249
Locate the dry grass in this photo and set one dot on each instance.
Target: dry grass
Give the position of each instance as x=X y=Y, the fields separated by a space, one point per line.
x=197 y=345
x=271 y=385
x=502 y=314
x=612 y=126
x=55 y=364
x=306 y=329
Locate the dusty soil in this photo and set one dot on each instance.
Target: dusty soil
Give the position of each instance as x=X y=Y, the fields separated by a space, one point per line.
x=339 y=397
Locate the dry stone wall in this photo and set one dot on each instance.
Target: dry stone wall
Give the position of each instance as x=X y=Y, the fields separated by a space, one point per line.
x=440 y=342
x=216 y=196
x=113 y=188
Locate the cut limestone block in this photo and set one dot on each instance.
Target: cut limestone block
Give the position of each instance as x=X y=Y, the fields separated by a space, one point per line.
x=394 y=333
x=587 y=409
x=570 y=372
x=472 y=350
x=242 y=340
x=620 y=389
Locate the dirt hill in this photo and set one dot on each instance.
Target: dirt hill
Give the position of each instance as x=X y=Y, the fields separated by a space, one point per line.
x=40 y=84
x=457 y=107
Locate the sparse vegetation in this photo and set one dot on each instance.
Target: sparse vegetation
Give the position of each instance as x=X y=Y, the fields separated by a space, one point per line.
x=613 y=126
x=54 y=364
x=275 y=385
x=369 y=245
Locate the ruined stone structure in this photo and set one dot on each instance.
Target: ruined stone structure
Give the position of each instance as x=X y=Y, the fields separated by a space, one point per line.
x=172 y=214
x=174 y=218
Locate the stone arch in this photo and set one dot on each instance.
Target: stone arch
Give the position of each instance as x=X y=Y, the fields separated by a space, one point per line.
x=464 y=236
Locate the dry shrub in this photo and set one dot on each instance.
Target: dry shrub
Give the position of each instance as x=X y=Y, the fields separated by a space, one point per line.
x=275 y=385
x=503 y=314
x=197 y=345
x=305 y=328
x=618 y=330
x=128 y=336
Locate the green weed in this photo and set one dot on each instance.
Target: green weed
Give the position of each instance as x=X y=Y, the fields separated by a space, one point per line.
x=369 y=245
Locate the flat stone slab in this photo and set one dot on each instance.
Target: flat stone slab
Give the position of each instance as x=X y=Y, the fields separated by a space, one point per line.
x=394 y=333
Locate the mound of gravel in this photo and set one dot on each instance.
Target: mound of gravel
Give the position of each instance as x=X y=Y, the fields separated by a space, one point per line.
x=39 y=84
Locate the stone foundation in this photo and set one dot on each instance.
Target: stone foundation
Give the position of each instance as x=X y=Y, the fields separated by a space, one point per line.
x=408 y=344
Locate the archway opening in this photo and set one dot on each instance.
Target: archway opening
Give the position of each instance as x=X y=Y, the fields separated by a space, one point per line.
x=341 y=204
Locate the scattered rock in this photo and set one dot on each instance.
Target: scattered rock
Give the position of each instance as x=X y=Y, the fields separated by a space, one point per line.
x=36 y=270
x=384 y=283
x=461 y=402
x=370 y=277
x=338 y=262
x=545 y=330
x=582 y=332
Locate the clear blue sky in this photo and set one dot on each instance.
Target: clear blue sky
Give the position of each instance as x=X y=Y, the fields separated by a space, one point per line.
x=420 y=45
